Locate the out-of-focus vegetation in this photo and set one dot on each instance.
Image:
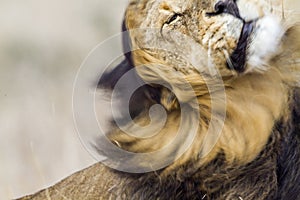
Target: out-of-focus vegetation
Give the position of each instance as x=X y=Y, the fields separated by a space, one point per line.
x=42 y=45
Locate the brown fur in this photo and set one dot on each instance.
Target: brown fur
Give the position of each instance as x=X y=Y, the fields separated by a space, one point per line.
x=257 y=154
x=251 y=98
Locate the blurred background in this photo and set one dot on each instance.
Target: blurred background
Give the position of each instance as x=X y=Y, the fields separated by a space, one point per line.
x=42 y=45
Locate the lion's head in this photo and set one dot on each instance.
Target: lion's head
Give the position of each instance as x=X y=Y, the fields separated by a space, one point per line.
x=231 y=37
x=240 y=57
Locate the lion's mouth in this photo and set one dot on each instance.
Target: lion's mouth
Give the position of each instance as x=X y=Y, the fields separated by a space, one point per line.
x=238 y=58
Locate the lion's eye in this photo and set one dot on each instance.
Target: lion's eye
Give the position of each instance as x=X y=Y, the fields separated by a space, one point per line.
x=173 y=18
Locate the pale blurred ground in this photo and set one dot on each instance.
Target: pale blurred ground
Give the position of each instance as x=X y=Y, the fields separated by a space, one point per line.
x=42 y=44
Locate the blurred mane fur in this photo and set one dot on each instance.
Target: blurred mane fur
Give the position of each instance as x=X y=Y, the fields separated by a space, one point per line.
x=256 y=156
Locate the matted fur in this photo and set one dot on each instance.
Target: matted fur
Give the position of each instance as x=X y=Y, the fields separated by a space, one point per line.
x=257 y=155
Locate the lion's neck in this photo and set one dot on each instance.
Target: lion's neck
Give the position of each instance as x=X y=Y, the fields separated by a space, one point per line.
x=254 y=103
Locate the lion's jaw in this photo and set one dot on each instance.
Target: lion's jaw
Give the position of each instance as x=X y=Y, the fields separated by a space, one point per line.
x=264 y=42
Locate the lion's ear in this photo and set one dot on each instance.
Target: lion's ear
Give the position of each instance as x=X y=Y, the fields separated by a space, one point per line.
x=144 y=96
x=110 y=78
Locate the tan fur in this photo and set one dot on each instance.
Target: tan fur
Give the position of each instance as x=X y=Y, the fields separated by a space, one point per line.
x=254 y=100
x=251 y=103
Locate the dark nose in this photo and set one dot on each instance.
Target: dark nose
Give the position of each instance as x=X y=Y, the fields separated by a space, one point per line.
x=227 y=6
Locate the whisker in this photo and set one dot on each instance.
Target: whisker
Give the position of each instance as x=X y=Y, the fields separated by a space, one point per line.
x=210 y=65
x=228 y=59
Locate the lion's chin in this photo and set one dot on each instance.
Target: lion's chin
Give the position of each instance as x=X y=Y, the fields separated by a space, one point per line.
x=264 y=42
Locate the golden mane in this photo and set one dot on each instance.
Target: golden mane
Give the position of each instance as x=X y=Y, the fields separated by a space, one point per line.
x=243 y=128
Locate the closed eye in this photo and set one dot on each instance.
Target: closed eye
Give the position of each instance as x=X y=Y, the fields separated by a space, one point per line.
x=173 y=18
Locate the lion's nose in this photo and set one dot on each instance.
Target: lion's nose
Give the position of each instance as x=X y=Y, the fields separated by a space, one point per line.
x=227 y=6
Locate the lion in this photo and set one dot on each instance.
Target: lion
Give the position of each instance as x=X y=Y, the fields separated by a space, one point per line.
x=227 y=73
